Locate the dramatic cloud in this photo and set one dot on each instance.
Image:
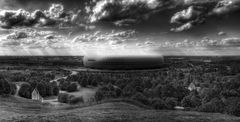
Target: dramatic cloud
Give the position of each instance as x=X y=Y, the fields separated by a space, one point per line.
x=199 y=11
x=56 y=15
x=128 y=10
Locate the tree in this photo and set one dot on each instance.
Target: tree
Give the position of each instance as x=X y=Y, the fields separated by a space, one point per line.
x=55 y=90
x=167 y=91
x=41 y=87
x=99 y=95
x=5 y=87
x=192 y=100
x=72 y=87
x=230 y=93
x=215 y=105
x=25 y=91
x=63 y=98
x=171 y=102
x=64 y=85
x=141 y=98
x=233 y=106
x=49 y=88
x=158 y=103
x=13 y=88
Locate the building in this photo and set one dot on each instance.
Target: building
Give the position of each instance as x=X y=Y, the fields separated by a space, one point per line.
x=123 y=62
x=36 y=95
x=193 y=87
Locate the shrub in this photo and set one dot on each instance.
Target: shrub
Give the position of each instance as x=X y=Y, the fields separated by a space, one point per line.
x=191 y=100
x=215 y=105
x=141 y=98
x=63 y=98
x=230 y=93
x=167 y=91
x=94 y=83
x=75 y=100
x=72 y=87
x=233 y=106
x=171 y=102
x=99 y=95
x=64 y=85
x=158 y=103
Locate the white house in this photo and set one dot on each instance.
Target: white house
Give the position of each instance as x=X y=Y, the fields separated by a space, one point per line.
x=36 y=95
x=193 y=87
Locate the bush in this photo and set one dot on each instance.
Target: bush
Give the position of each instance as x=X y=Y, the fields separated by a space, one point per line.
x=64 y=85
x=75 y=100
x=171 y=102
x=63 y=98
x=141 y=98
x=72 y=87
x=191 y=100
x=230 y=93
x=215 y=105
x=158 y=103
x=233 y=106
x=70 y=99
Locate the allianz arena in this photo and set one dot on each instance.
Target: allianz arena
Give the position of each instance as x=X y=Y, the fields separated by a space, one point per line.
x=123 y=62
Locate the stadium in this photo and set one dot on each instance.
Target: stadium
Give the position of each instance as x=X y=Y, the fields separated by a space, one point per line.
x=123 y=62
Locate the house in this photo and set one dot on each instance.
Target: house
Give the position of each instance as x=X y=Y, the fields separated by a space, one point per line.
x=193 y=87
x=36 y=95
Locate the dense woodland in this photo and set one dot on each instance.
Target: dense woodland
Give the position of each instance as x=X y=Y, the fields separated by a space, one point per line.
x=216 y=85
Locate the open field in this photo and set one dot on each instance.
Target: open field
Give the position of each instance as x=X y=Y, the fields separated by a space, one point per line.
x=18 y=109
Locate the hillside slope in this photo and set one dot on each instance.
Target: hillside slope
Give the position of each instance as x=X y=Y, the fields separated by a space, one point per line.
x=17 y=109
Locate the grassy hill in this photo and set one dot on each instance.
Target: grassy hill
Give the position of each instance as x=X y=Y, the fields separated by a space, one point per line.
x=18 y=109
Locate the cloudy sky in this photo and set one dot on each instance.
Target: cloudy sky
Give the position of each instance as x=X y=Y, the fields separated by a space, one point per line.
x=83 y=27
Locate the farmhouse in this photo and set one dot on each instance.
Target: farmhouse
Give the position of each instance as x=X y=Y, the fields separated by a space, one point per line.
x=36 y=95
x=193 y=87
x=123 y=62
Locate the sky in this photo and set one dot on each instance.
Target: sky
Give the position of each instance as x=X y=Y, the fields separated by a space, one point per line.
x=117 y=27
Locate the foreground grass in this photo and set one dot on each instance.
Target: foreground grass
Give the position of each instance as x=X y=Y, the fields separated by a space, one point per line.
x=17 y=109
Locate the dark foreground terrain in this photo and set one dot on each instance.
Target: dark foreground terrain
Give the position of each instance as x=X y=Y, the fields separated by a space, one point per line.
x=22 y=110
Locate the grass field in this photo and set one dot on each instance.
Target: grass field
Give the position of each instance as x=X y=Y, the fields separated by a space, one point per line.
x=22 y=110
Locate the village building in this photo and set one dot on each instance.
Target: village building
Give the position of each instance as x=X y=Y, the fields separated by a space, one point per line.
x=36 y=95
x=193 y=87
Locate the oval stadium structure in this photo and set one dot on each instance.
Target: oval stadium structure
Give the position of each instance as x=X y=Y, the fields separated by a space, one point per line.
x=123 y=62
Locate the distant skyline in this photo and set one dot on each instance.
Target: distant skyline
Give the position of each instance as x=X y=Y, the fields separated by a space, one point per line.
x=85 y=27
